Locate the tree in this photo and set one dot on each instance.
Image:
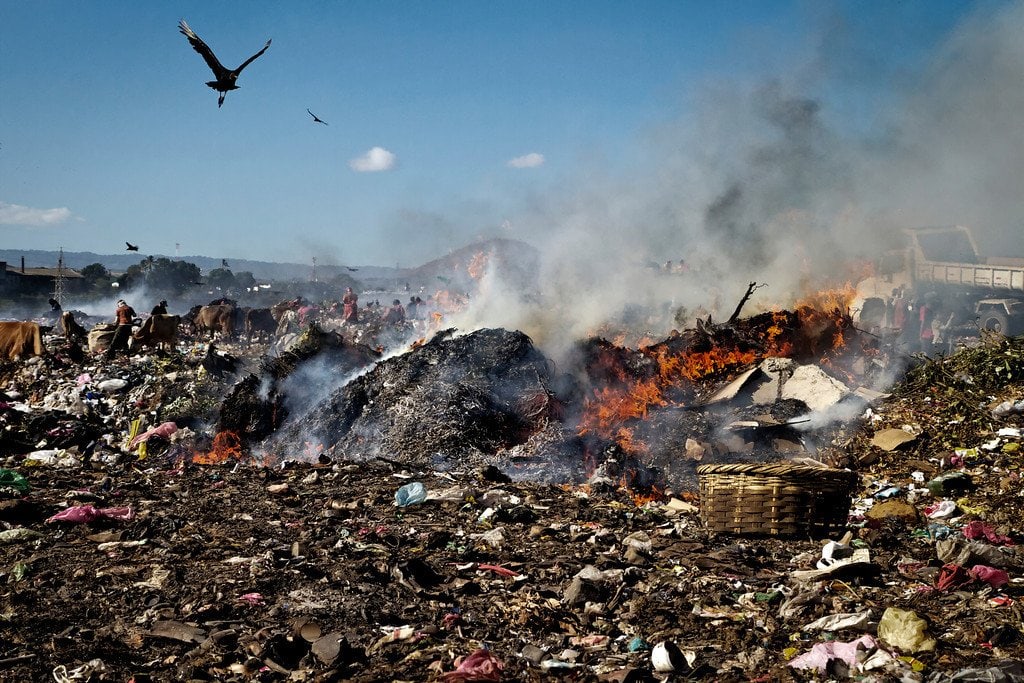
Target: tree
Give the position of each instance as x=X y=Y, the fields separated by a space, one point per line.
x=96 y=277
x=131 y=277
x=95 y=272
x=161 y=275
x=171 y=276
x=245 y=279
x=222 y=278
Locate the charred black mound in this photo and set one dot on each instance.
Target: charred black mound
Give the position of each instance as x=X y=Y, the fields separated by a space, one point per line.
x=258 y=403
x=442 y=404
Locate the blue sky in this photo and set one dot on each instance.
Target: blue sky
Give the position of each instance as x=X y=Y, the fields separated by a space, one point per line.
x=479 y=112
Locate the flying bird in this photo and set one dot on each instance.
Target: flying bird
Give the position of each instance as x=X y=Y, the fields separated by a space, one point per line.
x=225 y=77
x=132 y=247
x=316 y=119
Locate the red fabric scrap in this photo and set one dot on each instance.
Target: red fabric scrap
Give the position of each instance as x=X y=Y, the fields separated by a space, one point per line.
x=952 y=576
x=479 y=666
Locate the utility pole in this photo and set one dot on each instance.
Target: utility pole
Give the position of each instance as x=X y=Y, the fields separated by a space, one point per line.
x=58 y=282
x=314 y=269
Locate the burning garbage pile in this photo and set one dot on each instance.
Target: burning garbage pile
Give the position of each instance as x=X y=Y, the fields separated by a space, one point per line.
x=259 y=403
x=491 y=397
x=451 y=402
x=331 y=513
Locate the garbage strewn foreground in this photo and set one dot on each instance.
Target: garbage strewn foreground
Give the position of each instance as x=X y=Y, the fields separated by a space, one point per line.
x=135 y=562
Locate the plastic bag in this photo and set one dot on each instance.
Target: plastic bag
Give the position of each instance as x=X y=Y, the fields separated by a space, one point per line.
x=410 y=494
x=83 y=514
x=904 y=630
x=13 y=480
x=479 y=666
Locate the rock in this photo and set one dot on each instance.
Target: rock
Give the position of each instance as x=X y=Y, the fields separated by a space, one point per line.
x=893 y=509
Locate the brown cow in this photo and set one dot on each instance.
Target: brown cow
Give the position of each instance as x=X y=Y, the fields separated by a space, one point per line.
x=20 y=340
x=259 y=321
x=216 y=318
x=70 y=328
x=158 y=330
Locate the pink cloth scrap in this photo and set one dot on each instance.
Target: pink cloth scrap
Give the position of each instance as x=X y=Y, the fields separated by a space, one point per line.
x=479 y=666
x=165 y=430
x=977 y=530
x=997 y=578
x=83 y=514
x=823 y=653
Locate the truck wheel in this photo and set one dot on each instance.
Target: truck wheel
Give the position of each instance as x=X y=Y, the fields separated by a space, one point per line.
x=994 y=321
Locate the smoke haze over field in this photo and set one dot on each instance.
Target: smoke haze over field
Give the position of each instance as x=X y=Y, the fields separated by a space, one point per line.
x=764 y=142
x=763 y=182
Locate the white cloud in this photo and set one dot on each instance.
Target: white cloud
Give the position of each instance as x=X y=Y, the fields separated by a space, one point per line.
x=531 y=160
x=15 y=214
x=377 y=159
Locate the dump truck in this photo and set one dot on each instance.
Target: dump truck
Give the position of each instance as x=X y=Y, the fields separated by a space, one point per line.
x=945 y=263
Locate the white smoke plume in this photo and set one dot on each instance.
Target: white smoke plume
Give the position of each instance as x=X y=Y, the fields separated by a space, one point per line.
x=769 y=183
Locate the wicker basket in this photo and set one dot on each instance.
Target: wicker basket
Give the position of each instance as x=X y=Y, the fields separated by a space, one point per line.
x=778 y=499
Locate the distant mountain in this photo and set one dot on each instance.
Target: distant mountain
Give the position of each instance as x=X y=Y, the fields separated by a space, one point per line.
x=261 y=270
x=516 y=262
x=460 y=270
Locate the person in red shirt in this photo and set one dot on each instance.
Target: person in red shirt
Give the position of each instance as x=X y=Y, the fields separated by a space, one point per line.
x=124 y=316
x=350 y=302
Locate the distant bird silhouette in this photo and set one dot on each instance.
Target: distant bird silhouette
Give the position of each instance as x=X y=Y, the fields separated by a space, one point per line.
x=316 y=119
x=351 y=268
x=225 y=77
x=132 y=247
x=224 y=263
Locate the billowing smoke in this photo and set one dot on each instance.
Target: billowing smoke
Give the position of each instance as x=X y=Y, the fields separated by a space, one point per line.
x=783 y=184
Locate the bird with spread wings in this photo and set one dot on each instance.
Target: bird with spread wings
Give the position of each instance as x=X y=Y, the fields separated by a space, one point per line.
x=225 y=78
x=316 y=119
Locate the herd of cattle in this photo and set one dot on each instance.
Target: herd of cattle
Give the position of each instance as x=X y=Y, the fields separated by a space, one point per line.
x=224 y=319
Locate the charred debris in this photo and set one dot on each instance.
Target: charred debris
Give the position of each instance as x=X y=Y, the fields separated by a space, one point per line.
x=469 y=510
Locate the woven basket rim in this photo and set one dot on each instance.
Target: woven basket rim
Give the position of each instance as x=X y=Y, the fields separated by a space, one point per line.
x=773 y=469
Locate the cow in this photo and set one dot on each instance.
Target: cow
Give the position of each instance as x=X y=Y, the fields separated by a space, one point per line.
x=159 y=330
x=20 y=340
x=69 y=327
x=259 y=321
x=216 y=318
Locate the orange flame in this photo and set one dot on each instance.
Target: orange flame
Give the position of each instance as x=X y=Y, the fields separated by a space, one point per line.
x=818 y=328
x=226 y=446
x=478 y=265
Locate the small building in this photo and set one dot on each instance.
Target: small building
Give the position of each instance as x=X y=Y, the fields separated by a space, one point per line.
x=28 y=281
